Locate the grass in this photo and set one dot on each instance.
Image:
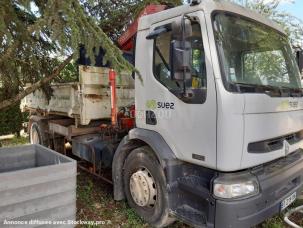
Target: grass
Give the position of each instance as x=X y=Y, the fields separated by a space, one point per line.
x=275 y=222
x=14 y=141
x=132 y=218
x=95 y=203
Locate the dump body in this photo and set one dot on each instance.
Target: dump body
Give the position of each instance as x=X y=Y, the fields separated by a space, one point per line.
x=36 y=184
x=86 y=100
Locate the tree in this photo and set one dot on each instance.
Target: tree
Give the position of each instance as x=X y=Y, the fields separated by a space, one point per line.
x=39 y=42
x=115 y=15
x=34 y=34
x=28 y=39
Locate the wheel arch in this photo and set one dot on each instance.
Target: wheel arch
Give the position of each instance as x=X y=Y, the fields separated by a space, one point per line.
x=138 y=137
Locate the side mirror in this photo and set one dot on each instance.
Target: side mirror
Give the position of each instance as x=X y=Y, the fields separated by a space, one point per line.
x=181 y=28
x=180 y=60
x=181 y=50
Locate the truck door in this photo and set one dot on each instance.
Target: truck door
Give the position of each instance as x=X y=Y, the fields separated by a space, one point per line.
x=187 y=124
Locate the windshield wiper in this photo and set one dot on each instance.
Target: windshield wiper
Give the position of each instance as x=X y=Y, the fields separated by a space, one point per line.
x=255 y=86
x=274 y=91
x=293 y=92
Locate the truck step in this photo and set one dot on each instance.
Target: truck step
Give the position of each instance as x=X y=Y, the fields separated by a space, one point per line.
x=191 y=216
x=195 y=185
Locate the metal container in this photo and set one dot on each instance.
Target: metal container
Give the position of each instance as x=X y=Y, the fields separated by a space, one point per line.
x=86 y=100
x=36 y=183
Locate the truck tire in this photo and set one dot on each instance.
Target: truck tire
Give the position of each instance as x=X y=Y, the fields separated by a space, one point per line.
x=37 y=134
x=145 y=187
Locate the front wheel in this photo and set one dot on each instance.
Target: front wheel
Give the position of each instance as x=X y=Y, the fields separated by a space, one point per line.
x=145 y=187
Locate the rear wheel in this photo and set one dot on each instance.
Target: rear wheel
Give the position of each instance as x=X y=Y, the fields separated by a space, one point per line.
x=35 y=137
x=145 y=187
x=37 y=134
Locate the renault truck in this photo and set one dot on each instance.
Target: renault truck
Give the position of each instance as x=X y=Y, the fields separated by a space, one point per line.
x=209 y=132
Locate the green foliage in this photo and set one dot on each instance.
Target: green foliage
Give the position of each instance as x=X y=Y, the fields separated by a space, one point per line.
x=11 y=120
x=133 y=220
x=114 y=16
x=69 y=73
x=15 y=141
x=85 y=193
x=275 y=222
x=34 y=34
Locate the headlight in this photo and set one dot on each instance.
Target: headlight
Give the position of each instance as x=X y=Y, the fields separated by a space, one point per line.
x=230 y=186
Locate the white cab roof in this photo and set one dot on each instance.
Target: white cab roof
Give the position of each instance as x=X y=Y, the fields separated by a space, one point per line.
x=208 y=7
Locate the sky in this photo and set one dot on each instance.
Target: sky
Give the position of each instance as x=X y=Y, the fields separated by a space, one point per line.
x=295 y=8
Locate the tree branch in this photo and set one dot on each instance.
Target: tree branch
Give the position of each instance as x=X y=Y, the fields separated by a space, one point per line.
x=10 y=49
x=37 y=85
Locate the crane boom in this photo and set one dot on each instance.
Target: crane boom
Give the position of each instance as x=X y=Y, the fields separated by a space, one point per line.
x=126 y=40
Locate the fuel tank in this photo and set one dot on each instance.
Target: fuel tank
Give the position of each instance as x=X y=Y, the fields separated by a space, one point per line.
x=94 y=149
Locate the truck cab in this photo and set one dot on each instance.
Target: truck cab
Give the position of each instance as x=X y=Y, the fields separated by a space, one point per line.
x=231 y=103
x=243 y=92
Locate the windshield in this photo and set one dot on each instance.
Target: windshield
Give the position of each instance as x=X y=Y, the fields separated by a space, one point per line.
x=254 y=55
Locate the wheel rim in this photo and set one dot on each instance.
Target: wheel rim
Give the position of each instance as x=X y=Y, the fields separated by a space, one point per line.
x=34 y=136
x=143 y=188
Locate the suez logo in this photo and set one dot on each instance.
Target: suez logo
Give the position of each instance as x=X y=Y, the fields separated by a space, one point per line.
x=153 y=104
x=289 y=104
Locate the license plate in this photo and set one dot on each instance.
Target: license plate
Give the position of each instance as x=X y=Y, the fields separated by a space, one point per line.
x=289 y=200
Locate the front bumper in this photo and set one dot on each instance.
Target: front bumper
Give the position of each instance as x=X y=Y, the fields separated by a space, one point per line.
x=277 y=180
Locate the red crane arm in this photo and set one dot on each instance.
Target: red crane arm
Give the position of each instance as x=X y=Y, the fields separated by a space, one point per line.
x=126 y=39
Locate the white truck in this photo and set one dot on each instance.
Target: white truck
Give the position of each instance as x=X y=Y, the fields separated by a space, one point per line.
x=211 y=133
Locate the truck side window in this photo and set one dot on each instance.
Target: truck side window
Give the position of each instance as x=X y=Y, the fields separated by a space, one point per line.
x=198 y=83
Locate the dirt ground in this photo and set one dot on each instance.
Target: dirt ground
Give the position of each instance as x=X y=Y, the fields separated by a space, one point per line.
x=95 y=203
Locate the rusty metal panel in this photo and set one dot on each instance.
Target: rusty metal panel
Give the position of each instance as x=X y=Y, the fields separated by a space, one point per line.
x=64 y=100
x=90 y=75
x=86 y=100
x=36 y=184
